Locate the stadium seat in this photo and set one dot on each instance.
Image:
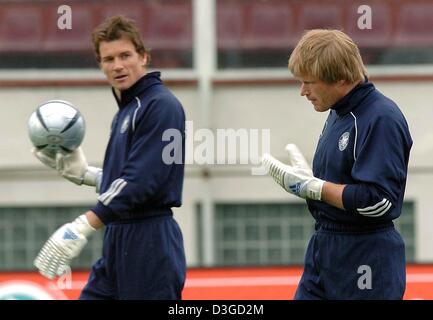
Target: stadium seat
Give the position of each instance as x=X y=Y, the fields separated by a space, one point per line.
x=380 y=34
x=76 y=39
x=315 y=15
x=20 y=28
x=229 y=25
x=269 y=26
x=170 y=26
x=414 y=25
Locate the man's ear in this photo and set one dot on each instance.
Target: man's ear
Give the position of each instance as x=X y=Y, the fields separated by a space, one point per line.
x=145 y=59
x=341 y=83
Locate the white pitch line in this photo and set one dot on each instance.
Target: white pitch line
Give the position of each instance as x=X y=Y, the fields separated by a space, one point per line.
x=242 y=281
x=419 y=277
x=276 y=281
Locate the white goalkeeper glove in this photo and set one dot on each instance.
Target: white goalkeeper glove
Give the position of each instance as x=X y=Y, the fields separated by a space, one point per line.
x=296 y=178
x=64 y=245
x=71 y=165
x=46 y=156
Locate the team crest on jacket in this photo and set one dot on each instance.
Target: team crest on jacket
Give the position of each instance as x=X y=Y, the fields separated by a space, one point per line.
x=125 y=125
x=343 y=141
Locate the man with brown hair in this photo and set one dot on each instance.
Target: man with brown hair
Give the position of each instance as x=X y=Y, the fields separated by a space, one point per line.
x=356 y=186
x=143 y=255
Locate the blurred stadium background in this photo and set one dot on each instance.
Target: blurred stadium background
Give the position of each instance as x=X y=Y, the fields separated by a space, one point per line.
x=226 y=61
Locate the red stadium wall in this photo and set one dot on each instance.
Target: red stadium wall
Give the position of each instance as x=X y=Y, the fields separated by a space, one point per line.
x=240 y=24
x=276 y=283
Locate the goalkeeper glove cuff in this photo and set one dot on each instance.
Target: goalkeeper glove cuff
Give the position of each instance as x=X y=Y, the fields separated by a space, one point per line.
x=93 y=177
x=295 y=180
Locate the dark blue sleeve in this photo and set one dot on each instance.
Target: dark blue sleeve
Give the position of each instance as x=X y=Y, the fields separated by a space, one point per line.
x=145 y=172
x=379 y=170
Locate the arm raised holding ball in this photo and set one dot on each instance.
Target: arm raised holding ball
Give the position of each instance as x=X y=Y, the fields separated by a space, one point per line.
x=56 y=130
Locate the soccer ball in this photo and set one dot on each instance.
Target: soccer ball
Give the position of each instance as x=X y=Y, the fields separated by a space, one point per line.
x=56 y=125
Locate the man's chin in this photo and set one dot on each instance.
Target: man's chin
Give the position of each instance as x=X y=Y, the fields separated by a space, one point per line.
x=320 y=108
x=121 y=87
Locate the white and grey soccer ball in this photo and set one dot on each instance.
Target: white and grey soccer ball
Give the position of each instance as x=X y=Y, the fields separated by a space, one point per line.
x=56 y=125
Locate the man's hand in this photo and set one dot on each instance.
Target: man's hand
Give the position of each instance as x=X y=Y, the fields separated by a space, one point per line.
x=71 y=165
x=64 y=245
x=296 y=178
x=47 y=157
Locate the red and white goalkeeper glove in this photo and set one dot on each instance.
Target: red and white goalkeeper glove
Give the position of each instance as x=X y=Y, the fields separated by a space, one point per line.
x=64 y=245
x=296 y=178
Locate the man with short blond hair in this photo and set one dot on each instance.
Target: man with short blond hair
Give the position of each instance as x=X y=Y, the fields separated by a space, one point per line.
x=356 y=186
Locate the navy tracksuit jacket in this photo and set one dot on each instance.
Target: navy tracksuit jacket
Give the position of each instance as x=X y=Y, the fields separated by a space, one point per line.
x=143 y=254
x=365 y=145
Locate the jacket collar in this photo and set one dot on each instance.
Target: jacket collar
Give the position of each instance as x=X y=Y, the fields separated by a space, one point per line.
x=137 y=88
x=351 y=100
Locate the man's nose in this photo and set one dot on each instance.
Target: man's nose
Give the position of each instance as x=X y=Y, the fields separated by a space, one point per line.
x=304 y=90
x=117 y=65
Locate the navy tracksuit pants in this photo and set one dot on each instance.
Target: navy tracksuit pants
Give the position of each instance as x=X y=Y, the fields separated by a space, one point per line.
x=141 y=260
x=353 y=264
